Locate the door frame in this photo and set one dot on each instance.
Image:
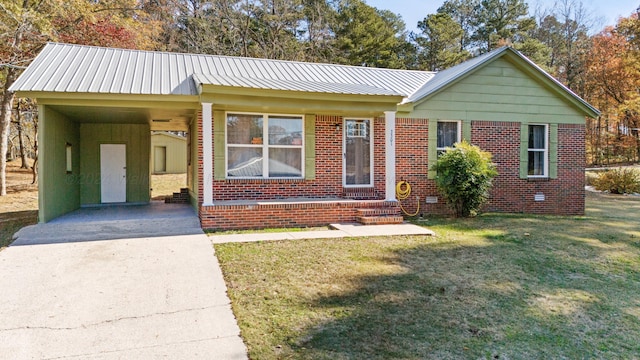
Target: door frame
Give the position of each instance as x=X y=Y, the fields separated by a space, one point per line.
x=371 y=153
x=155 y=159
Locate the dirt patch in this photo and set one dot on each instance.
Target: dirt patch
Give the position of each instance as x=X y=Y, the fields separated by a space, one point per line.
x=22 y=195
x=166 y=184
x=20 y=207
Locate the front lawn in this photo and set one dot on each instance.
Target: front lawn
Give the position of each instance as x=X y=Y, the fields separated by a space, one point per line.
x=495 y=287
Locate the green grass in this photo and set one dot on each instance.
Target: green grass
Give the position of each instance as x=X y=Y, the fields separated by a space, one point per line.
x=496 y=286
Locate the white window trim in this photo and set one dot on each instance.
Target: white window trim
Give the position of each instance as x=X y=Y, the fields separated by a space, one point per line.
x=344 y=154
x=545 y=151
x=264 y=146
x=459 y=131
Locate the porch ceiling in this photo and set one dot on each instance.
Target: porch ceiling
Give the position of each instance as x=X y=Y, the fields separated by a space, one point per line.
x=158 y=119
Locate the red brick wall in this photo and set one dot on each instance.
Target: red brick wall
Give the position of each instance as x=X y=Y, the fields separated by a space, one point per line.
x=328 y=181
x=564 y=195
x=283 y=215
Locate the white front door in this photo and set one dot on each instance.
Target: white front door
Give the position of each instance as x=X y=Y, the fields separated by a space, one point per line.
x=113 y=173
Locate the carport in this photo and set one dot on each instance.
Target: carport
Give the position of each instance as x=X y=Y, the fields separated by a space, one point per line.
x=97 y=108
x=94 y=154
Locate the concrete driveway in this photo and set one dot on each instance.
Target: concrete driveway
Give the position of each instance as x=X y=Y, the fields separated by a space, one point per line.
x=146 y=297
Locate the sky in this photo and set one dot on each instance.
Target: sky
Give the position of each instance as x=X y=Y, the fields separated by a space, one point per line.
x=413 y=11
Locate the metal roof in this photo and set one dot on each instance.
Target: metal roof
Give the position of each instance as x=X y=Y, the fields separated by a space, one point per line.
x=69 y=68
x=88 y=69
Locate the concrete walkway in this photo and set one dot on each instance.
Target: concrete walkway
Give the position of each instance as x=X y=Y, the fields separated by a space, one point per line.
x=338 y=231
x=129 y=298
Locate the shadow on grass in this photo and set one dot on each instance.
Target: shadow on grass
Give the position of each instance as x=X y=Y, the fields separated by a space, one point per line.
x=529 y=287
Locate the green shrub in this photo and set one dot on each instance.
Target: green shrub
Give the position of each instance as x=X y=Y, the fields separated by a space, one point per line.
x=618 y=181
x=465 y=174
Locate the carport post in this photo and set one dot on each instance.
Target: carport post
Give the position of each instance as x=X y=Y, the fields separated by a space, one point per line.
x=207 y=155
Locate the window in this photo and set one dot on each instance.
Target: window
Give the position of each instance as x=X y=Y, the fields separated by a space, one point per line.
x=538 y=165
x=448 y=134
x=252 y=138
x=69 y=158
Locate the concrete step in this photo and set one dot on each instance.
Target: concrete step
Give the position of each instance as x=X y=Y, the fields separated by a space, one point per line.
x=381 y=211
x=360 y=194
x=380 y=220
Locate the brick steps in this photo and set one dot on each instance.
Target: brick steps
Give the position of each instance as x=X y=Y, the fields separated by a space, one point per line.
x=181 y=197
x=360 y=194
x=379 y=216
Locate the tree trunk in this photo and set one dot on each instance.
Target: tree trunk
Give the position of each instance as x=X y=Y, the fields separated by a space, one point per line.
x=23 y=154
x=35 y=151
x=5 y=120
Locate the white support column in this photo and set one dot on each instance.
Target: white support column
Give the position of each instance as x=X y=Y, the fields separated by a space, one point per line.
x=390 y=155
x=207 y=155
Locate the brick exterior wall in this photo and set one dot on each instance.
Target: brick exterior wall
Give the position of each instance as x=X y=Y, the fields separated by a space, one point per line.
x=563 y=196
x=283 y=214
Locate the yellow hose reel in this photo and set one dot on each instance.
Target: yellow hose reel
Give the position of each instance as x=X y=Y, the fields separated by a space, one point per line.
x=403 y=191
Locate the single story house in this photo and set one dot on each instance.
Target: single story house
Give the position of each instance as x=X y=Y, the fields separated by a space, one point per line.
x=168 y=153
x=279 y=143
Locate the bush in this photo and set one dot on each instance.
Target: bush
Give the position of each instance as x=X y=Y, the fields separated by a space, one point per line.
x=590 y=177
x=618 y=181
x=465 y=175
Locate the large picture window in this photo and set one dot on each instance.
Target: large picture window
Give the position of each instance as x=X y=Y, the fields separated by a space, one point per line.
x=264 y=146
x=538 y=151
x=448 y=135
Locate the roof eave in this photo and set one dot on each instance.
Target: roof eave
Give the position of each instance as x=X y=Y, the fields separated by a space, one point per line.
x=212 y=90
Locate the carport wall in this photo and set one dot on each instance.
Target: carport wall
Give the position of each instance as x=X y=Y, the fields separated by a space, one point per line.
x=63 y=191
x=136 y=137
x=59 y=189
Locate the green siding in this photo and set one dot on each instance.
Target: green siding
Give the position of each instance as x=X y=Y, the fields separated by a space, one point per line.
x=524 y=150
x=466 y=131
x=432 y=151
x=310 y=146
x=136 y=137
x=498 y=92
x=59 y=190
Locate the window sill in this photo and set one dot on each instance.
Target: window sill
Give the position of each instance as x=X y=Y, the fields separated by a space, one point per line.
x=263 y=180
x=538 y=178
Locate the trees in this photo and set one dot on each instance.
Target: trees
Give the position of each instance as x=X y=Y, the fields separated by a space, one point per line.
x=439 y=42
x=26 y=25
x=613 y=80
x=367 y=36
x=499 y=20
